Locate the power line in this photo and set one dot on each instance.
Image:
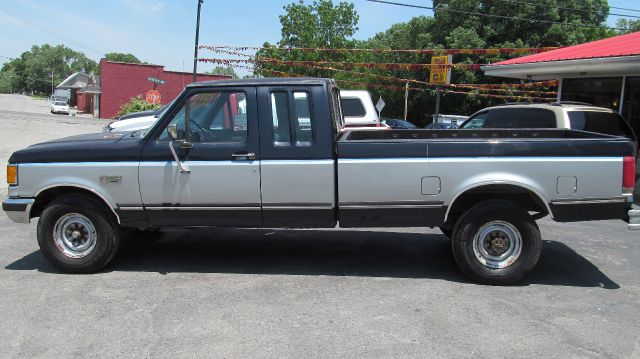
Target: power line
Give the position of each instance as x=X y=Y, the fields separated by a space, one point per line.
x=622 y=8
x=492 y=15
x=435 y=51
x=565 y=8
x=49 y=31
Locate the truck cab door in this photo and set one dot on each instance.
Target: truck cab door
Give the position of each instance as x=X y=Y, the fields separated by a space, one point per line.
x=297 y=157
x=213 y=178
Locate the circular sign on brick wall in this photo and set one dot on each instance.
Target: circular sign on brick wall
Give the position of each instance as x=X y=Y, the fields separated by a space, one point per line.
x=153 y=96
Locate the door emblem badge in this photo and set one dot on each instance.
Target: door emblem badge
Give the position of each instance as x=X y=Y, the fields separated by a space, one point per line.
x=110 y=179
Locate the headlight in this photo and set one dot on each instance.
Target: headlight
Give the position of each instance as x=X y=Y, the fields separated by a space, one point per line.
x=12 y=174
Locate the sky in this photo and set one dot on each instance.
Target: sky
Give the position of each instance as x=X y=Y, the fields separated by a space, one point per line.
x=162 y=31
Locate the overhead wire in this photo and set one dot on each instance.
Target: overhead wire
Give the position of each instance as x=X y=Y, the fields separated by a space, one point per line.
x=52 y=32
x=625 y=9
x=434 y=51
x=547 y=6
x=475 y=13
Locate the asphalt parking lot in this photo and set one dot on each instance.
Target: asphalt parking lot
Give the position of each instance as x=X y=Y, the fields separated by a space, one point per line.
x=311 y=293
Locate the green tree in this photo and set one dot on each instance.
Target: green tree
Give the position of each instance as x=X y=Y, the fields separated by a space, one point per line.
x=458 y=24
x=320 y=24
x=122 y=57
x=31 y=71
x=136 y=104
x=8 y=77
x=628 y=25
x=223 y=70
x=580 y=21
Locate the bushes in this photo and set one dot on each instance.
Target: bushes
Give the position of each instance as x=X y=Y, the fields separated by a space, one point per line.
x=137 y=104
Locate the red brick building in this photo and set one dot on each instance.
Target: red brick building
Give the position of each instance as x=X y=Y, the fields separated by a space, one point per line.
x=119 y=82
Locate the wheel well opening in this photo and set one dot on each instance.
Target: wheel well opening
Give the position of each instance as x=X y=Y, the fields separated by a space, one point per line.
x=530 y=201
x=47 y=196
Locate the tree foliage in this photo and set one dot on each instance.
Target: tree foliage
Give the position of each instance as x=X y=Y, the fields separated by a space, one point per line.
x=30 y=72
x=320 y=24
x=122 y=57
x=628 y=25
x=223 y=70
x=323 y=24
x=137 y=104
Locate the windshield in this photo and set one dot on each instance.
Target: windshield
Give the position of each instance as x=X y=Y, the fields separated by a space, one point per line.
x=59 y=103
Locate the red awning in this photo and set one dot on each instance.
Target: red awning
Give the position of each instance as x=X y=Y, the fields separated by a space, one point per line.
x=618 y=46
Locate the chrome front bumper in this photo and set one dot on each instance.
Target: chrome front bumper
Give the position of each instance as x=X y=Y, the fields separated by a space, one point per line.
x=634 y=220
x=18 y=209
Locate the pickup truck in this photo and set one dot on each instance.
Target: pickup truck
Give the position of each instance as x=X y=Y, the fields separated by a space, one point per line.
x=271 y=153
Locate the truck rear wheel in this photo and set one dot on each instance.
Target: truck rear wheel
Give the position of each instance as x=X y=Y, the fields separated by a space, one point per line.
x=77 y=235
x=496 y=242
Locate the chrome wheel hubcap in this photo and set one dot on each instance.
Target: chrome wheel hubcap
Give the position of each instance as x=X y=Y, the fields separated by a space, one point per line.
x=74 y=235
x=497 y=244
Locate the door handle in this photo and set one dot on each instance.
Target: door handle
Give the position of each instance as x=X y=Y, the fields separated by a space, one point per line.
x=245 y=155
x=183 y=167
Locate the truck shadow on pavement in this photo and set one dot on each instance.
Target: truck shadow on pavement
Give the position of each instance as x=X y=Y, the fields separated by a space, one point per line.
x=320 y=252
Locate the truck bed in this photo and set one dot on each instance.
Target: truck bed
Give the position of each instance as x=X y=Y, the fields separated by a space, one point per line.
x=481 y=143
x=408 y=177
x=481 y=134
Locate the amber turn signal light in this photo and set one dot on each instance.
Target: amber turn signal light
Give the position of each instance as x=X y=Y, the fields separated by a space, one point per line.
x=12 y=174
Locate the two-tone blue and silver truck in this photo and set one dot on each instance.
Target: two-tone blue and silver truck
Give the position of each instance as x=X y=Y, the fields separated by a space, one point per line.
x=273 y=153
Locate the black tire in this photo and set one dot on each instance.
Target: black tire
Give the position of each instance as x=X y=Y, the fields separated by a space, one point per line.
x=107 y=234
x=504 y=217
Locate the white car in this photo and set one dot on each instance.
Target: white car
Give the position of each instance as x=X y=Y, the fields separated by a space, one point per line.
x=131 y=124
x=136 y=121
x=59 y=107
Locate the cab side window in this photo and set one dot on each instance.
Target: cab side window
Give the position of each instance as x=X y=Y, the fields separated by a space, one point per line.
x=214 y=117
x=291 y=118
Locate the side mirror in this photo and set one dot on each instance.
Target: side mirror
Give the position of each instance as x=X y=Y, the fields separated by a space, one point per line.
x=172 y=131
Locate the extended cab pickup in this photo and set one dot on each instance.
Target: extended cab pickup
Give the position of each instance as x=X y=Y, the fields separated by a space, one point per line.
x=270 y=153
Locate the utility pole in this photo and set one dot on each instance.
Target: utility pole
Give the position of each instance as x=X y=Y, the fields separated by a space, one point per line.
x=436 y=120
x=406 y=99
x=51 y=75
x=195 y=53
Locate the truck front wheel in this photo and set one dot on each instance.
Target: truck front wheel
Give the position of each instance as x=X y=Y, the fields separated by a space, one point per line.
x=496 y=242
x=77 y=235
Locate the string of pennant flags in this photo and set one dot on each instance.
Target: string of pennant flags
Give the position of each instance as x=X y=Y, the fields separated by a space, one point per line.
x=253 y=59
x=527 y=91
x=494 y=51
x=370 y=85
x=346 y=64
x=485 y=88
x=479 y=87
